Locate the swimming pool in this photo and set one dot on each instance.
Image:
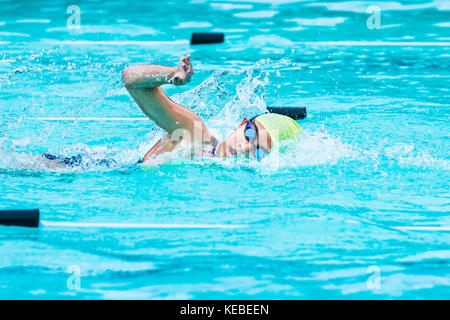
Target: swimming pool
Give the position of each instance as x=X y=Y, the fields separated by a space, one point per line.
x=326 y=222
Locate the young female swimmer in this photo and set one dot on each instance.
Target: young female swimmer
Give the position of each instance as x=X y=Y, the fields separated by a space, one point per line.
x=254 y=137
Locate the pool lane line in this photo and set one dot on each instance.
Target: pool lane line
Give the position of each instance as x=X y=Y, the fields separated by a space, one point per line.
x=303 y=43
x=116 y=43
x=31 y=218
x=196 y=38
x=375 y=43
x=297 y=113
x=147 y=226
x=423 y=228
x=86 y=119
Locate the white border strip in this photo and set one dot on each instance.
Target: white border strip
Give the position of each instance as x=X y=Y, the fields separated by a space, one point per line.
x=424 y=228
x=138 y=225
x=87 y=119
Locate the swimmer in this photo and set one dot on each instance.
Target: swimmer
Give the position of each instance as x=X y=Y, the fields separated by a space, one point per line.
x=254 y=137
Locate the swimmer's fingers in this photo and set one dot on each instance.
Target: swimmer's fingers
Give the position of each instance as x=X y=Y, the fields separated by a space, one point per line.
x=186 y=60
x=187 y=65
x=184 y=72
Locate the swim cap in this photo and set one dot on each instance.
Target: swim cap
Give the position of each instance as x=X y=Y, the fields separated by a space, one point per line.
x=279 y=126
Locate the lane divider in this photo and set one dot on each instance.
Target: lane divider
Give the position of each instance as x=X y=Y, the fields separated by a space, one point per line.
x=196 y=38
x=20 y=218
x=423 y=228
x=211 y=38
x=87 y=119
x=148 y=226
x=374 y=43
x=297 y=113
x=31 y=219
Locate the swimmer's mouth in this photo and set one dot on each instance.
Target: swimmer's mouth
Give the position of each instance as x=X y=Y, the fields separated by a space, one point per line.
x=231 y=152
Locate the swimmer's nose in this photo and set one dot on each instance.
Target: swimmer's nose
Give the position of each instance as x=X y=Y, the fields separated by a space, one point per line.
x=239 y=148
x=242 y=148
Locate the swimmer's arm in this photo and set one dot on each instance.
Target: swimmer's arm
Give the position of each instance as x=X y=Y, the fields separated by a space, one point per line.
x=143 y=83
x=147 y=76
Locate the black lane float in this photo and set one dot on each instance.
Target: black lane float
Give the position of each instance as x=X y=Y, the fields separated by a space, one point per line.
x=296 y=113
x=20 y=218
x=207 y=38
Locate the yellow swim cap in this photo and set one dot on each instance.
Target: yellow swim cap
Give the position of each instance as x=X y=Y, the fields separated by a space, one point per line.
x=279 y=127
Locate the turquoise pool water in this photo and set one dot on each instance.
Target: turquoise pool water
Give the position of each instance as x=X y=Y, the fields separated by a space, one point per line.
x=324 y=223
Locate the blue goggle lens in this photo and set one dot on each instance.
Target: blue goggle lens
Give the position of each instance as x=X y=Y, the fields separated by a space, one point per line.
x=250 y=135
x=250 y=132
x=259 y=153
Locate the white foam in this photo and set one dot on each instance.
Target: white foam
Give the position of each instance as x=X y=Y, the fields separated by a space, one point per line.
x=229 y=30
x=315 y=148
x=321 y=22
x=33 y=21
x=443 y=24
x=192 y=24
x=294 y=29
x=230 y=6
x=13 y=34
x=388 y=26
x=123 y=29
x=270 y=39
x=256 y=14
x=408 y=155
x=361 y=6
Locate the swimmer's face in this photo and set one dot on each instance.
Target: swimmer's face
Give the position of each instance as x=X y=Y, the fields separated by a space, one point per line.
x=237 y=143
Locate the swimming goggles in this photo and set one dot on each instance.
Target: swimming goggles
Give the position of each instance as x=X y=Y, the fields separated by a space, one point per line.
x=250 y=133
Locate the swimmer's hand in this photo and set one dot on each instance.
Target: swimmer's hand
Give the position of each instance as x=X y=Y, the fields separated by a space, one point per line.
x=183 y=72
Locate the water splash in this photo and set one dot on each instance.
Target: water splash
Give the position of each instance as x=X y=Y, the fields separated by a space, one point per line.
x=226 y=97
x=222 y=100
x=408 y=155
